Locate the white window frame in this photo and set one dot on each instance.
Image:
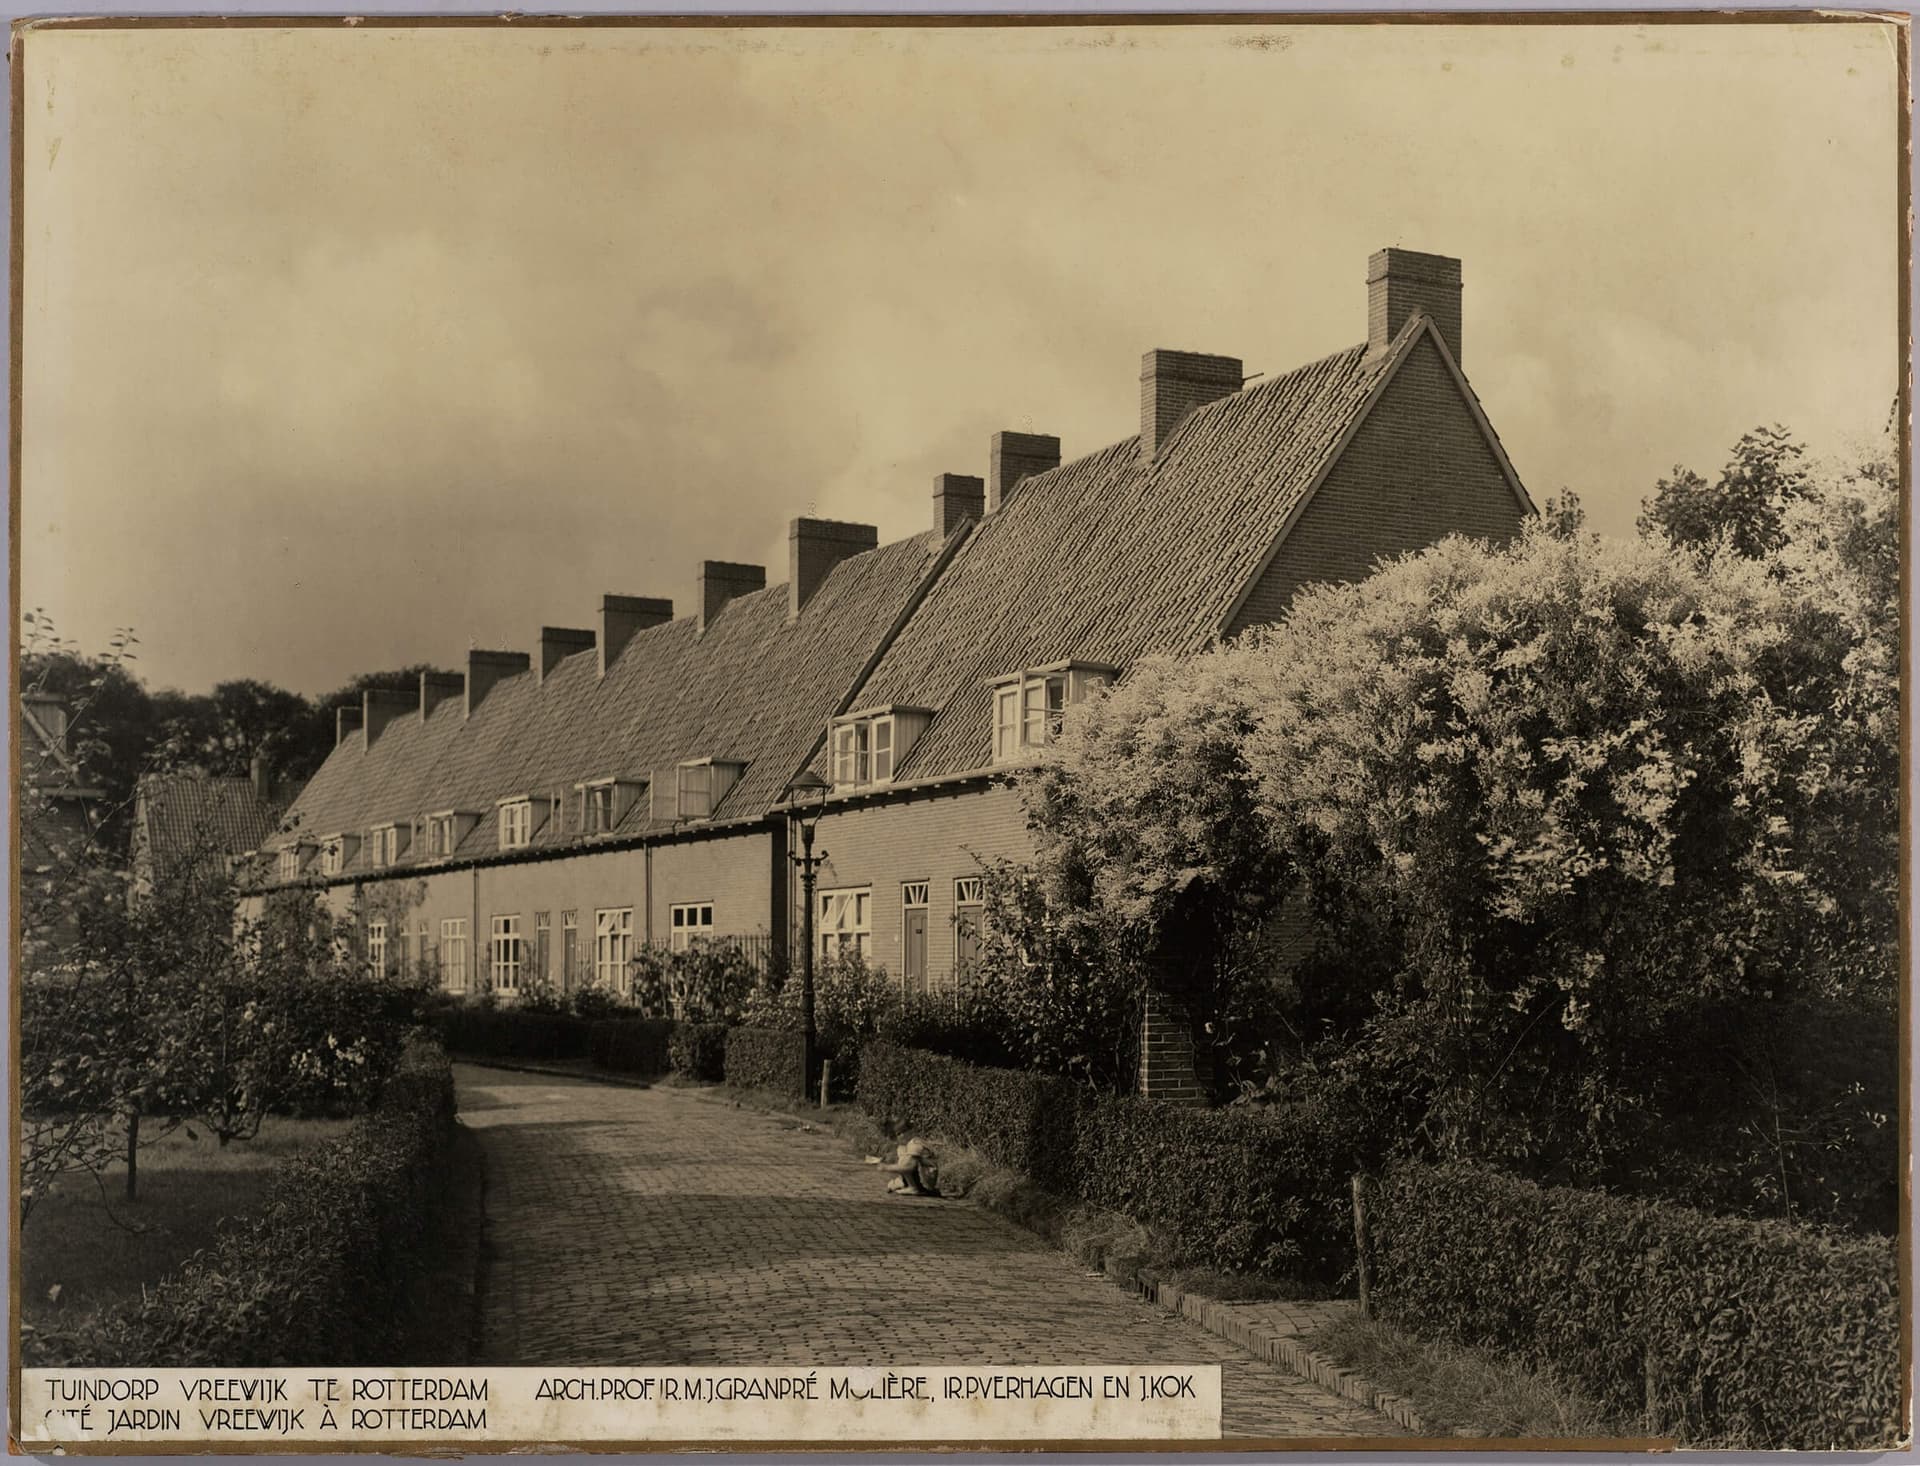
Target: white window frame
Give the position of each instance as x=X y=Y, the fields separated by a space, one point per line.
x=695 y=791
x=453 y=953
x=504 y=951
x=1030 y=708
x=289 y=865
x=690 y=922
x=598 y=808
x=377 y=946
x=441 y=834
x=333 y=854
x=866 y=749
x=612 y=947
x=845 y=922
x=516 y=824
x=383 y=846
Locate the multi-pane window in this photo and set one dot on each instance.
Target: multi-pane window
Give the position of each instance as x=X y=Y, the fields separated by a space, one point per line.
x=692 y=921
x=597 y=810
x=333 y=855
x=542 y=944
x=506 y=953
x=846 y=922
x=867 y=747
x=1030 y=710
x=569 y=949
x=289 y=864
x=377 y=947
x=516 y=824
x=1043 y=709
x=612 y=947
x=440 y=834
x=385 y=844
x=453 y=953
x=696 y=791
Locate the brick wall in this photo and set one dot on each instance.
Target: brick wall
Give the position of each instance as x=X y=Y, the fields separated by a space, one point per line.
x=1418 y=470
x=1166 y=1051
x=924 y=836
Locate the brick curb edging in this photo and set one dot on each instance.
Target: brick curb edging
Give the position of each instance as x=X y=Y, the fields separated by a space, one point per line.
x=1223 y=1321
x=515 y=1066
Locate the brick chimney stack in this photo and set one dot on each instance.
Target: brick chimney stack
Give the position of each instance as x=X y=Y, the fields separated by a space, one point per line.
x=1402 y=281
x=484 y=669
x=1172 y=384
x=379 y=707
x=722 y=581
x=346 y=723
x=957 y=498
x=559 y=642
x=260 y=771
x=1014 y=456
x=621 y=617
x=436 y=688
x=814 y=547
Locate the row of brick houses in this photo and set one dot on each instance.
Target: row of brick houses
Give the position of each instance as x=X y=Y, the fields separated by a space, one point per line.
x=549 y=812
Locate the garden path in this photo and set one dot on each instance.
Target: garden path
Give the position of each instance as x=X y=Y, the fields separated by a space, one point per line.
x=662 y=1226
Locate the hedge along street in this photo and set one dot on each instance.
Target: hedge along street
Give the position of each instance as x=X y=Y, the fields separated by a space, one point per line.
x=651 y=1226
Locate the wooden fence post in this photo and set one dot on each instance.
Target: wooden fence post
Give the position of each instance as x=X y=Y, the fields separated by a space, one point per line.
x=1363 y=1262
x=826 y=1080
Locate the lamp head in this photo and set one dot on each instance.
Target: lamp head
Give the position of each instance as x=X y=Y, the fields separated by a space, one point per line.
x=806 y=787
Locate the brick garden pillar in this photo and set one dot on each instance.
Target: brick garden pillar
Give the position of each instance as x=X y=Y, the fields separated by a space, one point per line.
x=1166 y=1050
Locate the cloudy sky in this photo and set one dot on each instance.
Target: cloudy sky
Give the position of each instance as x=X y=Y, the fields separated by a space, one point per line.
x=348 y=348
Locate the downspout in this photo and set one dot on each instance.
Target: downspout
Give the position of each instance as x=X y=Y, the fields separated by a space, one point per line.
x=646 y=890
x=473 y=941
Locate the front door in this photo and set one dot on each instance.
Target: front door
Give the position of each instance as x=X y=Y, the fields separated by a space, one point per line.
x=914 y=961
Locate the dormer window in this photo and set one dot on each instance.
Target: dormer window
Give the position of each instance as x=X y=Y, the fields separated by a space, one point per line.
x=387 y=843
x=703 y=783
x=446 y=828
x=867 y=746
x=1030 y=707
x=517 y=820
x=289 y=865
x=336 y=851
x=604 y=803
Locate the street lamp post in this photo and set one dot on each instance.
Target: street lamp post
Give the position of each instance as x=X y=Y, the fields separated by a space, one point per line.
x=807 y=796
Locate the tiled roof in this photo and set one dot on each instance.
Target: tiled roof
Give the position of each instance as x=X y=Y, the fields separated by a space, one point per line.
x=186 y=813
x=1111 y=558
x=755 y=688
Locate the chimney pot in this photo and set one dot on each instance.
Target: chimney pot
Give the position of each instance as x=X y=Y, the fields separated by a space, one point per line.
x=957 y=498
x=621 y=617
x=1173 y=384
x=346 y=722
x=1402 y=281
x=721 y=581
x=484 y=669
x=814 y=547
x=558 y=643
x=436 y=688
x=1014 y=456
x=380 y=706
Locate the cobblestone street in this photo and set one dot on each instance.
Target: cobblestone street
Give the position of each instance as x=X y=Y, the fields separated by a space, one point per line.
x=655 y=1226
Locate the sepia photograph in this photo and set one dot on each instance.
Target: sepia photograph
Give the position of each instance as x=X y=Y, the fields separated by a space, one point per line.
x=848 y=731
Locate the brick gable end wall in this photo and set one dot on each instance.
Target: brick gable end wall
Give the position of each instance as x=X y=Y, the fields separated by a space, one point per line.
x=1418 y=469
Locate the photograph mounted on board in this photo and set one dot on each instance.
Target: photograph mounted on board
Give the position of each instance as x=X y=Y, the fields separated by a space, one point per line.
x=801 y=732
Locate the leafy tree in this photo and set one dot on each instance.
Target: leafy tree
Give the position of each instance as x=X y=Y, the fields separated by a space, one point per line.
x=1746 y=505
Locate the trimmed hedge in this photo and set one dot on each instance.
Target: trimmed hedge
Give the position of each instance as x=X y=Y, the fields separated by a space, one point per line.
x=630 y=1045
x=767 y=1058
x=1711 y=1329
x=699 y=1050
x=506 y=1033
x=320 y=1274
x=1253 y=1189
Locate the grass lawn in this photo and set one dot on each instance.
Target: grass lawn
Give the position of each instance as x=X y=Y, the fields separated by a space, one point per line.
x=97 y=1247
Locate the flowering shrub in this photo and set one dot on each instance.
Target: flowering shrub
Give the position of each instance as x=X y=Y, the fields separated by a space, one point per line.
x=706 y=983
